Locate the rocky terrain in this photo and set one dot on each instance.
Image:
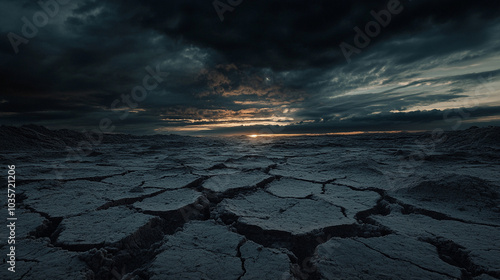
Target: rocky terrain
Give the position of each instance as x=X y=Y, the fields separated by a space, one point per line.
x=378 y=206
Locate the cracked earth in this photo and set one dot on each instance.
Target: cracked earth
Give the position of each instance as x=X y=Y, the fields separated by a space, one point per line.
x=239 y=208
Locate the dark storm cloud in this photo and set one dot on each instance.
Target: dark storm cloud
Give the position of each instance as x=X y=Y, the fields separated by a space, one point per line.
x=268 y=61
x=291 y=34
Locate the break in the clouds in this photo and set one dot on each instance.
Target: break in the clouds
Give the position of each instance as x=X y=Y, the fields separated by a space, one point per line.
x=175 y=66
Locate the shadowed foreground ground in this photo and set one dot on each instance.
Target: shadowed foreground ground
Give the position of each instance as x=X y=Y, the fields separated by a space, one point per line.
x=397 y=206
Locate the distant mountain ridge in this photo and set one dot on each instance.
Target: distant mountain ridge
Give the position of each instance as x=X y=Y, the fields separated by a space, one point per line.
x=474 y=137
x=39 y=137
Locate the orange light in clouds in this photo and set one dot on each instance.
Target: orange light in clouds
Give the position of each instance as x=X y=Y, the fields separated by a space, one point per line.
x=330 y=133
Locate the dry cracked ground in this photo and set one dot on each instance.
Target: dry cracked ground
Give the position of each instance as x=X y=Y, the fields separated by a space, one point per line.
x=344 y=207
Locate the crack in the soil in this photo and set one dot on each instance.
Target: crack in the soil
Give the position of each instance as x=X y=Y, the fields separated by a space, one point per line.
x=402 y=260
x=411 y=209
x=132 y=200
x=241 y=258
x=26 y=273
x=48 y=228
x=455 y=255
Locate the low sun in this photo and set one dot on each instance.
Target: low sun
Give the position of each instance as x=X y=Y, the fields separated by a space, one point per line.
x=253 y=135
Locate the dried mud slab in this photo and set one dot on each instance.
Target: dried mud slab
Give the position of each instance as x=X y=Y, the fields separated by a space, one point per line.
x=205 y=250
x=387 y=257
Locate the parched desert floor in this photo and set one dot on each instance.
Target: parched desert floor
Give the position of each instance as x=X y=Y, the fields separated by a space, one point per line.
x=378 y=206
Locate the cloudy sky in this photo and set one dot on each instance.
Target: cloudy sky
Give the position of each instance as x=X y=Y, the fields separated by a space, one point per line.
x=241 y=66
